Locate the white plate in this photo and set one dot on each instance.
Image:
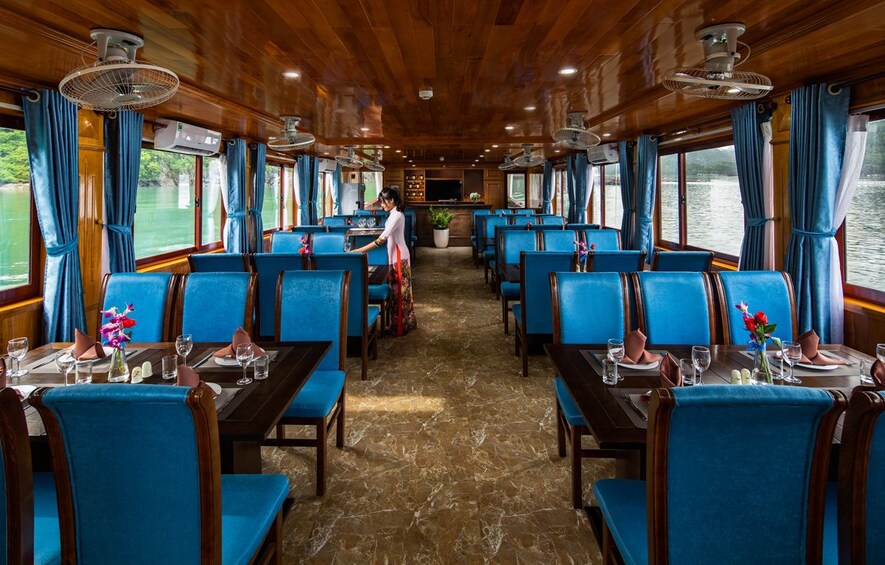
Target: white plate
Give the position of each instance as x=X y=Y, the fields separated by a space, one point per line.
x=821 y=367
x=227 y=361
x=643 y=367
x=216 y=388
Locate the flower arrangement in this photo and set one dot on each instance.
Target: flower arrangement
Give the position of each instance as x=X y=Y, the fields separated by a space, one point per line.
x=305 y=247
x=475 y=196
x=114 y=330
x=583 y=251
x=760 y=332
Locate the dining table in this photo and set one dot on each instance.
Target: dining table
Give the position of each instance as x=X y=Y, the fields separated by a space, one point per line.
x=378 y=274
x=246 y=414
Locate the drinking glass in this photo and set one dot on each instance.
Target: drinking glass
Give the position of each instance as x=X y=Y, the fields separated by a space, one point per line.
x=64 y=362
x=244 y=357
x=259 y=366
x=792 y=353
x=700 y=358
x=865 y=378
x=370 y=222
x=361 y=222
x=169 y=367
x=686 y=367
x=17 y=348
x=609 y=372
x=616 y=353
x=880 y=352
x=183 y=345
x=84 y=372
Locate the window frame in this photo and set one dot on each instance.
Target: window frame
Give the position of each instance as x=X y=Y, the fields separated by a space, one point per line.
x=281 y=201
x=525 y=181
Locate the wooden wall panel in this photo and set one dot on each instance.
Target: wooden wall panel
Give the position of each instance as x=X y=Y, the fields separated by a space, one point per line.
x=864 y=326
x=780 y=141
x=22 y=320
x=91 y=216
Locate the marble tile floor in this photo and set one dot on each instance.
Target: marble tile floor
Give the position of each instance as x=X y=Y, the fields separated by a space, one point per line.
x=450 y=455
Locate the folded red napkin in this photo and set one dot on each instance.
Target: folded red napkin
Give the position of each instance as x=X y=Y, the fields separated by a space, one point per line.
x=671 y=376
x=877 y=371
x=85 y=347
x=809 y=342
x=189 y=377
x=240 y=337
x=634 y=350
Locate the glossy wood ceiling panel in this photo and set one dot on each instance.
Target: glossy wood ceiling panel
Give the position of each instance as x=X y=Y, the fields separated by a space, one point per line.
x=362 y=62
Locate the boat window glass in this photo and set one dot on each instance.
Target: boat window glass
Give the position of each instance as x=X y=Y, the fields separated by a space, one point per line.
x=614 y=208
x=16 y=203
x=270 y=210
x=535 y=196
x=714 y=214
x=516 y=190
x=863 y=244
x=596 y=197
x=211 y=204
x=165 y=210
x=670 y=198
x=373 y=183
x=563 y=185
x=288 y=197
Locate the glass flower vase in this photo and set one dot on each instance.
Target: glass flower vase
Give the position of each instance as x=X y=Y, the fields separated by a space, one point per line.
x=118 y=372
x=761 y=366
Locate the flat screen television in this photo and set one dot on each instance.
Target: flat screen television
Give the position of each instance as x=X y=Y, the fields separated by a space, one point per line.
x=442 y=189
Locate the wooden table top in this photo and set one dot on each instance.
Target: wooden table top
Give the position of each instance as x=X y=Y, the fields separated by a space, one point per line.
x=512 y=272
x=378 y=274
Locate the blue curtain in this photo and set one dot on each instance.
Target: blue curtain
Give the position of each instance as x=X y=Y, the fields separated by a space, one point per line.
x=646 y=185
x=547 y=188
x=51 y=131
x=308 y=169
x=818 y=124
x=122 y=135
x=576 y=177
x=748 y=150
x=336 y=187
x=237 y=235
x=258 y=159
x=625 y=163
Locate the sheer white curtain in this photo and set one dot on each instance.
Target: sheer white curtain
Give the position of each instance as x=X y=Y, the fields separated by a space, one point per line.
x=768 y=194
x=855 y=147
x=591 y=186
x=222 y=182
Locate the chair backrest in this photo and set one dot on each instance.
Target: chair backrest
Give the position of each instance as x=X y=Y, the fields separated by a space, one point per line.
x=767 y=291
x=218 y=262
x=16 y=483
x=552 y=220
x=335 y=221
x=577 y=226
x=288 y=241
x=476 y=225
x=559 y=240
x=503 y=211
x=214 y=305
x=150 y=293
x=546 y=227
x=700 y=436
x=589 y=308
x=693 y=261
x=534 y=287
x=110 y=505
x=861 y=468
x=310 y=229
x=521 y=220
x=362 y=212
x=488 y=228
x=512 y=243
x=376 y=255
x=358 y=296
x=328 y=243
x=313 y=307
x=615 y=261
x=523 y=212
x=267 y=267
x=675 y=308
x=603 y=239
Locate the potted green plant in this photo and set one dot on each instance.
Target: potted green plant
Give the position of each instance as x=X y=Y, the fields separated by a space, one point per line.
x=440 y=220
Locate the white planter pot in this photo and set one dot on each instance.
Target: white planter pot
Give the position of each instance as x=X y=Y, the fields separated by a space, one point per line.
x=441 y=238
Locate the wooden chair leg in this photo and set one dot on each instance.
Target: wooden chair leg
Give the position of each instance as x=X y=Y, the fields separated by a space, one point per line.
x=364 y=346
x=277 y=539
x=505 y=316
x=281 y=431
x=524 y=353
x=577 y=489
x=608 y=545
x=560 y=431
x=321 y=456
x=485 y=269
x=339 y=424
x=517 y=343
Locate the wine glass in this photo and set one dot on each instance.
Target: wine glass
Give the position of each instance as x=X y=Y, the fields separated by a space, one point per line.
x=880 y=352
x=865 y=378
x=17 y=348
x=371 y=222
x=183 y=345
x=616 y=354
x=700 y=358
x=792 y=353
x=361 y=222
x=64 y=362
x=244 y=357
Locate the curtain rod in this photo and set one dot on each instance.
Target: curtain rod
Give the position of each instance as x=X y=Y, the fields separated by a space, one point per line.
x=696 y=134
x=32 y=94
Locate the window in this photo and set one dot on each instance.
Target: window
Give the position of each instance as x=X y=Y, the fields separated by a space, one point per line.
x=863 y=248
x=18 y=254
x=270 y=207
x=288 y=197
x=713 y=201
x=165 y=215
x=596 y=198
x=372 y=182
x=614 y=208
x=536 y=180
x=563 y=193
x=669 y=202
x=516 y=190
x=210 y=203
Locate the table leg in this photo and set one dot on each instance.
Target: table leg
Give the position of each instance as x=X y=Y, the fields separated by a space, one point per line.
x=632 y=465
x=241 y=457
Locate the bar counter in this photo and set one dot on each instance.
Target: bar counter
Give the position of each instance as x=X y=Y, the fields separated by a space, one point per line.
x=459 y=228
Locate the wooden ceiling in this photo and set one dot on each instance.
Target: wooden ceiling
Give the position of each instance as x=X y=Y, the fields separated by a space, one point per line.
x=362 y=62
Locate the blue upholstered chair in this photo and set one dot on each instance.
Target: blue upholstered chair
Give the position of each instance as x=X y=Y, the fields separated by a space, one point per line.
x=523 y=212
x=510 y=244
x=327 y=242
x=687 y=510
x=615 y=261
x=218 y=262
x=376 y=255
x=559 y=240
x=153 y=491
x=313 y=307
x=768 y=291
x=521 y=220
x=675 y=308
x=361 y=212
x=287 y=241
x=503 y=211
x=330 y=221
x=214 y=305
x=693 y=261
x=489 y=225
x=310 y=229
x=582 y=226
x=378 y=293
x=363 y=320
x=267 y=267
x=547 y=227
x=604 y=239
x=551 y=220
x=150 y=293
x=341 y=230
x=29 y=531
x=533 y=315
x=410 y=232
x=474 y=231
x=575 y=321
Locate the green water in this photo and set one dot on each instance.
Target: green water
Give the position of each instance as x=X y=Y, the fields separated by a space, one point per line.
x=15 y=226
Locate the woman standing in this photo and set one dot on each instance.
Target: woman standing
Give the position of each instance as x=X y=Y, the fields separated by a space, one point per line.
x=400 y=309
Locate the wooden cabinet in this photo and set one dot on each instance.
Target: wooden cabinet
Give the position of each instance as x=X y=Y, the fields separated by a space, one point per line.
x=414 y=185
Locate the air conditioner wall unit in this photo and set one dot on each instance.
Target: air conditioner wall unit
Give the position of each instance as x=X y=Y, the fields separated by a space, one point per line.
x=172 y=135
x=604 y=154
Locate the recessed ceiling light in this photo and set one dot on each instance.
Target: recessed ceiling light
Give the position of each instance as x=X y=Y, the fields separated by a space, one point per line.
x=292 y=74
x=606 y=135
x=413 y=165
x=557 y=151
x=488 y=150
x=364 y=129
x=508 y=127
x=326 y=153
x=399 y=151
x=386 y=147
x=472 y=165
x=476 y=160
x=494 y=146
x=568 y=71
x=529 y=108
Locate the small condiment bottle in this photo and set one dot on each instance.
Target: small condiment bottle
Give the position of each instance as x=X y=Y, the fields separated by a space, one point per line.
x=735 y=377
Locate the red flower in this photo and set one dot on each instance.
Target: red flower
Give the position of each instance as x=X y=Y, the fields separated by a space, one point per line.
x=128 y=323
x=761 y=318
x=750 y=324
x=592 y=246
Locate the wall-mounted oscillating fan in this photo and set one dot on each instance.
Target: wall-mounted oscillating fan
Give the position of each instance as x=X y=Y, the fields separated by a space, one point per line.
x=291 y=139
x=508 y=163
x=528 y=160
x=717 y=78
x=116 y=81
x=350 y=160
x=575 y=135
x=375 y=166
